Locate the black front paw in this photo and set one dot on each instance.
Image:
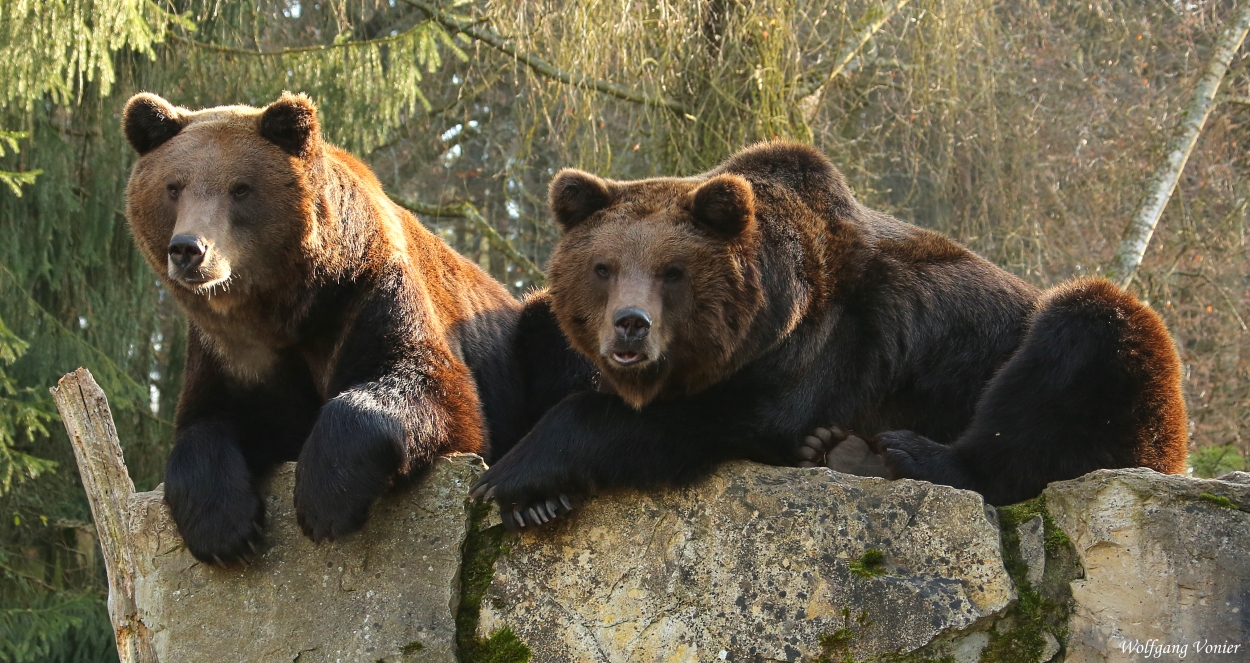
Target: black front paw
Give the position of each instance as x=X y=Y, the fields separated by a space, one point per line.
x=350 y=459
x=531 y=489
x=908 y=455
x=208 y=488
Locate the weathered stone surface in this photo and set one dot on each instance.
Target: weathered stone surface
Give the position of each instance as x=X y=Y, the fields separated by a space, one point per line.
x=388 y=593
x=1033 y=548
x=755 y=563
x=1166 y=558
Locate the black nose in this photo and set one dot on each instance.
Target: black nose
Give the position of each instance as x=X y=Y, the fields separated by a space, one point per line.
x=632 y=324
x=187 y=251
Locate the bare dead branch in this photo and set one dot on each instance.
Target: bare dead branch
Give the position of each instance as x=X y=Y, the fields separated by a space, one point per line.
x=544 y=68
x=872 y=21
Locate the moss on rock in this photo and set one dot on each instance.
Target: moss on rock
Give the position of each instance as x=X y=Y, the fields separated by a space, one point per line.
x=1020 y=636
x=481 y=548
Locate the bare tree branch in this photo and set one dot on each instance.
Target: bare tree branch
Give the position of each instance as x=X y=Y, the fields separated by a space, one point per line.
x=1137 y=236
x=463 y=210
x=872 y=21
x=544 y=68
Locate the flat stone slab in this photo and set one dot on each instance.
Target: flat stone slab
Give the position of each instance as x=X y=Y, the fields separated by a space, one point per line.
x=755 y=563
x=1167 y=563
x=388 y=593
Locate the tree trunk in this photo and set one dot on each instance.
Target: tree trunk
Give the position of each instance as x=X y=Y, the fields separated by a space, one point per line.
x=1137 y=236
x=89 y=422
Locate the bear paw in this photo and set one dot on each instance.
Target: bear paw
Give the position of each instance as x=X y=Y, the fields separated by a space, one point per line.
x=910 y=455
x=527 y=513
x=325 y=514
x=225 y=532
x=841 y=451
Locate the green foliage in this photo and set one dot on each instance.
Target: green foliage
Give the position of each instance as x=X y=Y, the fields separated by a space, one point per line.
x=1213 y=461
x=66 y=628
x=870 y=564
x=54 y=49
x=15 y=180
x=23 y=415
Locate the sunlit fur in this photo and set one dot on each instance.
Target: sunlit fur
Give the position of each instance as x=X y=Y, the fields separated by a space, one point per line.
x=325 y=324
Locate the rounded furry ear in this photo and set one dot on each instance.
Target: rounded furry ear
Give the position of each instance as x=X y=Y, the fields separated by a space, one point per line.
x=725 y=205
x=574 y=195
x=291 y=124
x=148 y=121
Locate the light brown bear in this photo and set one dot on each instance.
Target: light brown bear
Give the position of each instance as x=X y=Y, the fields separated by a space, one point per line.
x=324 y=324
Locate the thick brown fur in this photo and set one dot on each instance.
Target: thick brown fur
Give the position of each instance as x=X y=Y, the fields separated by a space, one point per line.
x=733 y=311
x=325 y=322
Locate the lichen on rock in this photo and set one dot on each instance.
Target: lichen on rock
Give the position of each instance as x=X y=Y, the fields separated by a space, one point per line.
x=753 y=563
x=386 y=594
x=1161 y=561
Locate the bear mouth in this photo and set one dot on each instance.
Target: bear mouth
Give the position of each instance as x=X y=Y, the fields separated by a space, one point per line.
x=628 y=358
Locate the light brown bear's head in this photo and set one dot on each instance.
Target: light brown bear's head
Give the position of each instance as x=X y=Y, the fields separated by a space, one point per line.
x=654 y=280
x=218 y=201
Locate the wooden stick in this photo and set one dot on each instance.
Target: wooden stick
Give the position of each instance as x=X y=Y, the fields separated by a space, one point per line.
x=89 y=422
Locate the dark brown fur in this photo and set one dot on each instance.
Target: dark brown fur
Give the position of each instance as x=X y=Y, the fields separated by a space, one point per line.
x=797 y=307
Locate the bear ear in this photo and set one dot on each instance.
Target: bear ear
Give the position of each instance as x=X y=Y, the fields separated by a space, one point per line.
x=148 y=121
x=291 y=124
x=575 y=195
x=725 y=205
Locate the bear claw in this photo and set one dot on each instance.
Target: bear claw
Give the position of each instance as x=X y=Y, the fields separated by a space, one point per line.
x=537 y=514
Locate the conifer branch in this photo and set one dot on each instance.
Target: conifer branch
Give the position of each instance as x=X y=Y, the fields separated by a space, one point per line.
x=544 y=68
x=318 y=48
x=1137 y=235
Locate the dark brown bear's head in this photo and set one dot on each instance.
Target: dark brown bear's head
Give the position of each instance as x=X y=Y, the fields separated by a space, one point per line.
x=654 y=280
x=218 y=200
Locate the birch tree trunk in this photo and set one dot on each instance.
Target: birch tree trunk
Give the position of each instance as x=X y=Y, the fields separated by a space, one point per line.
x=1137 y=236
x=89 y=422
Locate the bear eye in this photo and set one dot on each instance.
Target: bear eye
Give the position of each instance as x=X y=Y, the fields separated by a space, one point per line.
x=240 y=191
x=674 y=274
x=172 y=190
x=601 y=270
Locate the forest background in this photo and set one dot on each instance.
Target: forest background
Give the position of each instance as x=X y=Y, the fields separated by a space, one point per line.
x=1026 y=129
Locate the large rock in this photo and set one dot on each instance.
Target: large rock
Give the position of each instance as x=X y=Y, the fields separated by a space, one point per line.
x=1167 y=564
x=755 y=563
x=388 y=593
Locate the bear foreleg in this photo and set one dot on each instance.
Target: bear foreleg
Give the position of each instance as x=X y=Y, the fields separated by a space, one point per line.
x=595 y=441
x=229 y=436
x=402 y=399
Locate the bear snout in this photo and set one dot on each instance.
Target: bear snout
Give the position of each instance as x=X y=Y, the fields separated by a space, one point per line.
x=632 y=324
x=186 y=252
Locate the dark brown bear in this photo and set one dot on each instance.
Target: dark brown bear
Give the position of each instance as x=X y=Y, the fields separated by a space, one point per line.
x=734 y=311
x=325 y=323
